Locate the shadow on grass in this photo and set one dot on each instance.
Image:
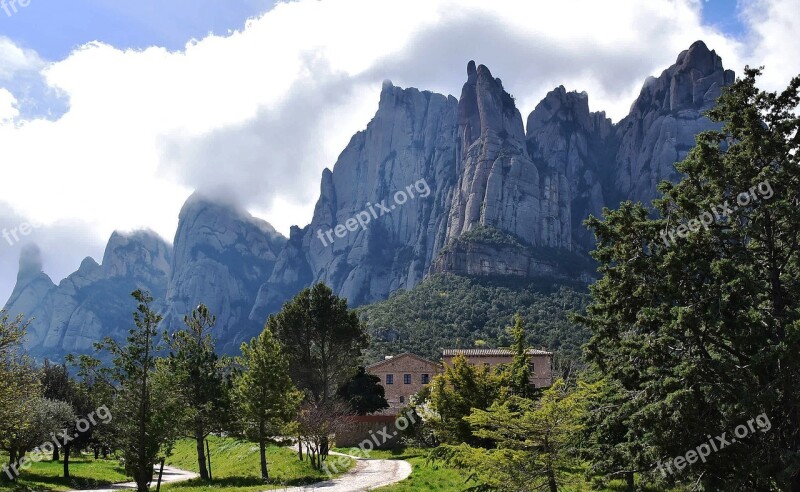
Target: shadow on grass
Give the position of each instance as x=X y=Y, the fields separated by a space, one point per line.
x=242 y=482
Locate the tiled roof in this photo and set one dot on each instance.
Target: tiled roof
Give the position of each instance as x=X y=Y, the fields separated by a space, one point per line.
x=489 y=352
x=396 y=357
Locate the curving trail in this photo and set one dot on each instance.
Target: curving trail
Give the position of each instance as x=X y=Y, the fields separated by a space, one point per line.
x=367 y=474
x=171 y=475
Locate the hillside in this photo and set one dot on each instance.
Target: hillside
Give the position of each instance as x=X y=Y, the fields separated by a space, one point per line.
x=451 y=311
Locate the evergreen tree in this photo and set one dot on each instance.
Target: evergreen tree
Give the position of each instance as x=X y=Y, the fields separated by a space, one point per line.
x=364 y=393
x=520 y=367
x=144 y=407
x=198 y=375
x=455 y=393
x=697 y=314
x=263 y=391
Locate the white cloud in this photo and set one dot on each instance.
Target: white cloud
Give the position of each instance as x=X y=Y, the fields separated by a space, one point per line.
x=263 y=110
x=8 y=106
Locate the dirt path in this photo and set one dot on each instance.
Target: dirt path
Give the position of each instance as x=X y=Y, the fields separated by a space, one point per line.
x=366 y=475
x=170 y=475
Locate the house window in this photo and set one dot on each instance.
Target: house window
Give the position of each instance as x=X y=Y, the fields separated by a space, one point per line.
x=531 y=368
x=390 y=379
x=426 y=378
x=402 y=399
x=406 y=378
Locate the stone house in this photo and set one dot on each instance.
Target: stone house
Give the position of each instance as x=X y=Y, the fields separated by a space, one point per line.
x=541 y=361
x=403 y=376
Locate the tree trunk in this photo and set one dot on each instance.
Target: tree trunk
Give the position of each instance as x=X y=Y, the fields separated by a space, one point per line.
x=630 y=482
x=262 y=449
x=66 y=461
x=55 y=453
x=551 y=479
x=143 y=475
x=12 y=461
x=201 y=452
x=96 y=452
x=300 y=448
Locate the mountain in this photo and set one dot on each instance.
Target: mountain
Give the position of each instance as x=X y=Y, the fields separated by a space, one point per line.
x=221 y=255
x=433 y=186
x=95 y=301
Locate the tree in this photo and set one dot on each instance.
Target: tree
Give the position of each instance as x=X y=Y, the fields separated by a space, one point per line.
x=520 y=367
x=144 y=406
x=322 y=339
x=19 y=386
x=317 y=422
x=456 y=393
x=535 y=440
x=364 y=393
x=697 y=314
x=263 y=391
x=199 y=379
x=43 y=419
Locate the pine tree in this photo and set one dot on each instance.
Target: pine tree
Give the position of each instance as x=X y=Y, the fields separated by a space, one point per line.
x=520 y=367
x=198 y=376
x=263 y=391
x=697 y=314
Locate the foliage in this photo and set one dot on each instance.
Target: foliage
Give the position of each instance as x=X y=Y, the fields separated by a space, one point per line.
x=452 y=311
x=701 y=333
x=364 y=393
x=520 y=370
x=144 y=405
x=534 y=440
x=198 y=376
x=455 y=393
x=264 y=394
x=322 y=338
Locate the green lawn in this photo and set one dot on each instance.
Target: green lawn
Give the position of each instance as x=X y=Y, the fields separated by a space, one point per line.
x=235 y=467
x=425 y=476
x=85 y=473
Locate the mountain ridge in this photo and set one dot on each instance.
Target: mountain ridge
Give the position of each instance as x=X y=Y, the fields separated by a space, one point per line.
x=504 y=199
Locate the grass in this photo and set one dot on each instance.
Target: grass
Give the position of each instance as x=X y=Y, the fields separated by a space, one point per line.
x=85 y=472
x=425 y=476
x=235 y=467
x=429 y=476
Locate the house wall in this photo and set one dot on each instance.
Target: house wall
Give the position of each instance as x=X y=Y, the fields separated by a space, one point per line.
x=542 y=365
x=398 y=367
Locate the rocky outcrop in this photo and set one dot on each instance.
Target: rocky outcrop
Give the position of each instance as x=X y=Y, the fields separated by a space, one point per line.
x=433 y=184
x=663 y=121
x=499 y=186
x=568 y=142
x=221 y=257
x=93 y=302
x=410 y=147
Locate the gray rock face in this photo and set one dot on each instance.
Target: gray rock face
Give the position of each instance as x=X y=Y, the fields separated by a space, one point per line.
x=664 y=120
x=221 y=257
x=93 y=302
x=569 y=143
x=478 y=196
x=411 y=142
x=499 y=186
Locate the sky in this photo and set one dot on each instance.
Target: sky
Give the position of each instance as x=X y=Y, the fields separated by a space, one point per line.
x=112 y=113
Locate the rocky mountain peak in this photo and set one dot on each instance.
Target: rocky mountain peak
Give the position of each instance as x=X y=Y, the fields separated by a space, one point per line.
x=695 y=81
x=487 y=110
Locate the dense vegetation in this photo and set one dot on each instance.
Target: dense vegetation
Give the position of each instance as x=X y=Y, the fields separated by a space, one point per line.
x=460 y=312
